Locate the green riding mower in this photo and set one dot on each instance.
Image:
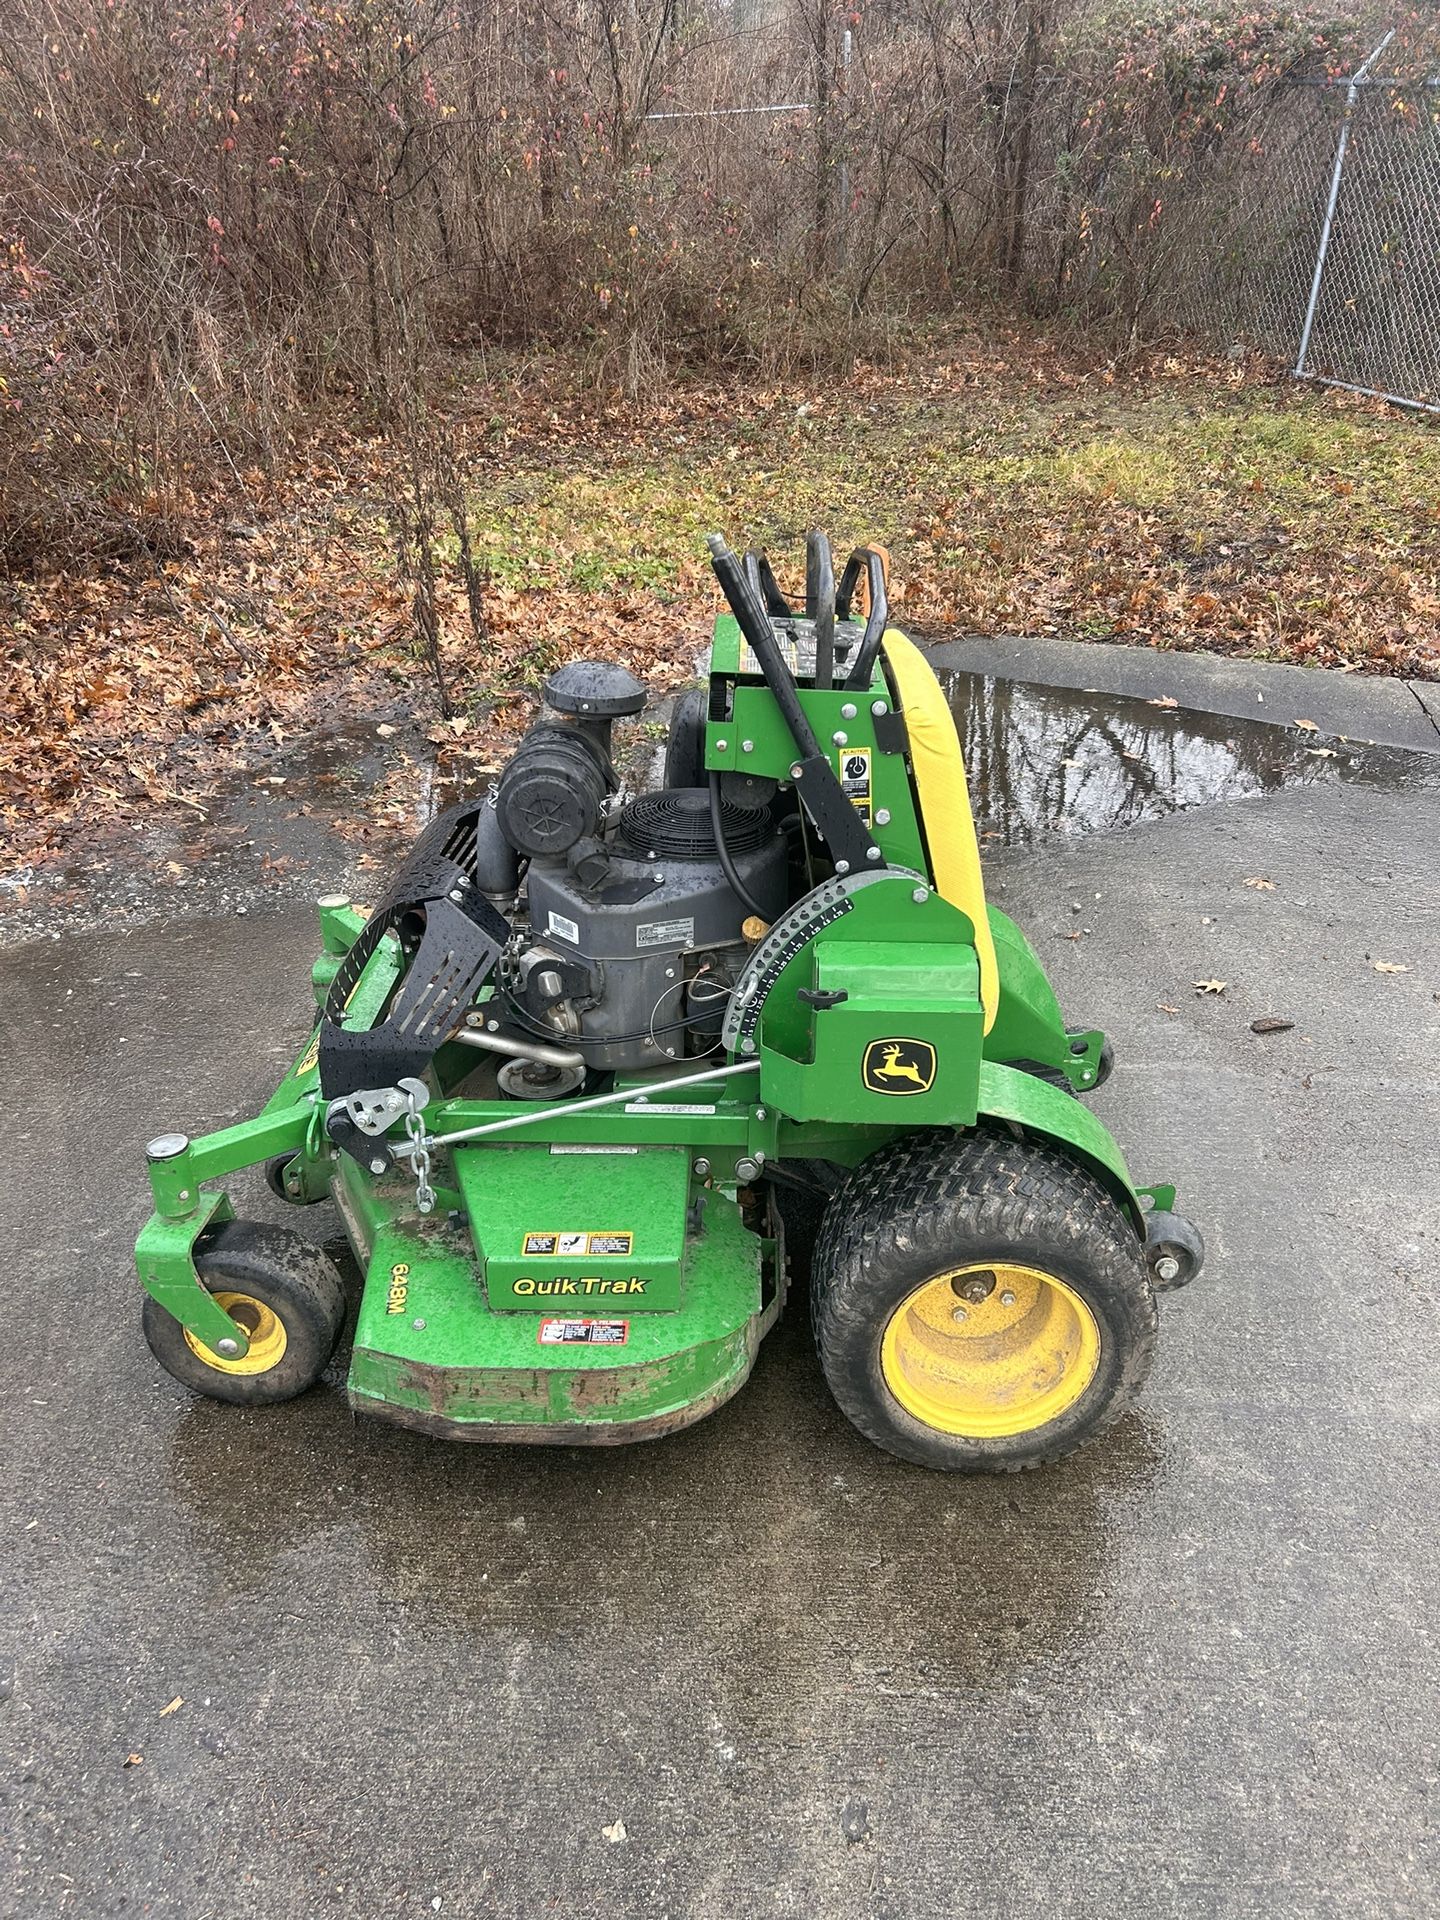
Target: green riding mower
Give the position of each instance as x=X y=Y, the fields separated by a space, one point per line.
x=565 y=1073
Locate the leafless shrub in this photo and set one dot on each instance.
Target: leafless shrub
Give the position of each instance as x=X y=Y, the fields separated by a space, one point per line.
x=213 y=217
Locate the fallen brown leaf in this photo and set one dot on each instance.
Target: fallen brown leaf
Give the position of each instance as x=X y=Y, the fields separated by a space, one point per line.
x=1260 y=884
x=173 y=1707
x=133 y=1760
x=1210 y=986
x=1307 y=726
x=1391 y=966
x=1163 y=700
x=1271 y=1023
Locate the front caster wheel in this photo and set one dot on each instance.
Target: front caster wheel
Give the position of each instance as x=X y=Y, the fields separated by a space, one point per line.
x=286 y=1295
x=1173 y=1248
x=293 y=1195
x=981 y=1304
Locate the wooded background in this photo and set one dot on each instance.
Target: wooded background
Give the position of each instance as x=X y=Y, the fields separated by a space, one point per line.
x=216 y=218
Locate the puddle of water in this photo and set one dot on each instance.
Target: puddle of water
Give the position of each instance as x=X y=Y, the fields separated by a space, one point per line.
x=1048 y=760
x=1039 y=760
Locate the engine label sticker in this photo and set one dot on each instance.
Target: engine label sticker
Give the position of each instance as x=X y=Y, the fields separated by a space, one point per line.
x=563 y=929
x=665 y=933
x=311 y=1054
x=568 y=1245
x=854 y=767
x=584 y=1333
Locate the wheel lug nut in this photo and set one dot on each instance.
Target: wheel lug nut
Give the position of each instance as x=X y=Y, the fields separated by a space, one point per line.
x=1007 y=1299
x=959 y=1313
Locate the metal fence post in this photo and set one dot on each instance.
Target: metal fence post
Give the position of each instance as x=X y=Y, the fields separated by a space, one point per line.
x=846 y=45
x=1352 y=94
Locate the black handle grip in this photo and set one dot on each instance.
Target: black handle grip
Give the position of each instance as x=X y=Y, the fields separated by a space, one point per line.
x=820 y=604
x=868 y=561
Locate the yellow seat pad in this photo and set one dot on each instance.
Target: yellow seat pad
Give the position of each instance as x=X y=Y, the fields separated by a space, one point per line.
x=944 y=800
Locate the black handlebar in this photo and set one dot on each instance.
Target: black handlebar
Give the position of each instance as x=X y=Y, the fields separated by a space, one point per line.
x=872 y=564
x=749 y=610
x=761 y=576
x=824 y=799
x=820 y=604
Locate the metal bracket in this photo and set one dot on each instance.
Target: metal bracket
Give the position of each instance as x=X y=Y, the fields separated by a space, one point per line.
x=357 y=1121
x=374 y=1110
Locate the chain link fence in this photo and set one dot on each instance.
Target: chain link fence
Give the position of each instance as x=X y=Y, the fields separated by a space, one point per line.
x=1372 y=320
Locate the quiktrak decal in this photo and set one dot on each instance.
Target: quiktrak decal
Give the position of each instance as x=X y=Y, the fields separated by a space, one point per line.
x=587 y=1284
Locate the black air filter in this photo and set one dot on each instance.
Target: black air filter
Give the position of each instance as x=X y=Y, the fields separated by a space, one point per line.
x=675 y=823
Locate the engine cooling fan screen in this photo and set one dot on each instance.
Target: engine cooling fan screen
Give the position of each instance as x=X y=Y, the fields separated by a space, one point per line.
x=676 y=823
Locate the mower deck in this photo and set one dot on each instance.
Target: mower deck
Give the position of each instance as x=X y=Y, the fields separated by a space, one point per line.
x=605 y=1358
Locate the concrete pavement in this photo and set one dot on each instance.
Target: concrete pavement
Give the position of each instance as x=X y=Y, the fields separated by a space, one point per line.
x=761 y=1668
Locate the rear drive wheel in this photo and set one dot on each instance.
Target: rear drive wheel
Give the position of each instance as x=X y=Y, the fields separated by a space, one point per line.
x=286 y=1295
x=981 y=1304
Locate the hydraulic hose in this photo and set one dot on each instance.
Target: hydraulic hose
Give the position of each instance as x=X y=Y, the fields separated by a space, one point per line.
x=728 y=866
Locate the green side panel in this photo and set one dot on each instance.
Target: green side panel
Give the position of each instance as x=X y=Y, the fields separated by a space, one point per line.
x=902 y=1047
x=1031 y=1103
x=756 y=740
x=430 y=1352
x=1028 y=1024
x=725 y=645
x=587 y=1231
x=911 y=980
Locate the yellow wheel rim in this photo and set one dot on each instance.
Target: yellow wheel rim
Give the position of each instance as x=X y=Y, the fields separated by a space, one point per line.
x=987 y=1351
x=264 y=1326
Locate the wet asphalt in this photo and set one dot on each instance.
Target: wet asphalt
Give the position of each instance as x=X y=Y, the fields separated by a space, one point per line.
x=760 y=1668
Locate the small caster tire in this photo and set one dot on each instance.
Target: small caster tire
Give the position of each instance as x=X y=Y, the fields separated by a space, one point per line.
x=1104 y=1066
x=1174 y=1250
x=286 y=1294
x=980 y=1304
x=275 y=1180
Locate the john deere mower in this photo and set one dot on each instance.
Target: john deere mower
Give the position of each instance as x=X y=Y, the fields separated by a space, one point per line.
x=564 y=1071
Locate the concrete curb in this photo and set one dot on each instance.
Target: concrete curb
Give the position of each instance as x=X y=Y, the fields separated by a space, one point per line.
x=1370 y=708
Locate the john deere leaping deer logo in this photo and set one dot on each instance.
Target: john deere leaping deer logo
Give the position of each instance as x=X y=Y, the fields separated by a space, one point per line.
x=898 y=1066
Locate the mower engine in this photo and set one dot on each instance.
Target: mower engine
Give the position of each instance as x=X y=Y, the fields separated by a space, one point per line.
x=628 y=936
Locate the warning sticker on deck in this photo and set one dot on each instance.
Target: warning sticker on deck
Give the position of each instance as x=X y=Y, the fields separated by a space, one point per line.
x=854 y=767
x=570 y=1244
x=584 y=1333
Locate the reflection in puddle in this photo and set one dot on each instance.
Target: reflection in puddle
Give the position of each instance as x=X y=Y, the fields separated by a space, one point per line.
x=1044 y=760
